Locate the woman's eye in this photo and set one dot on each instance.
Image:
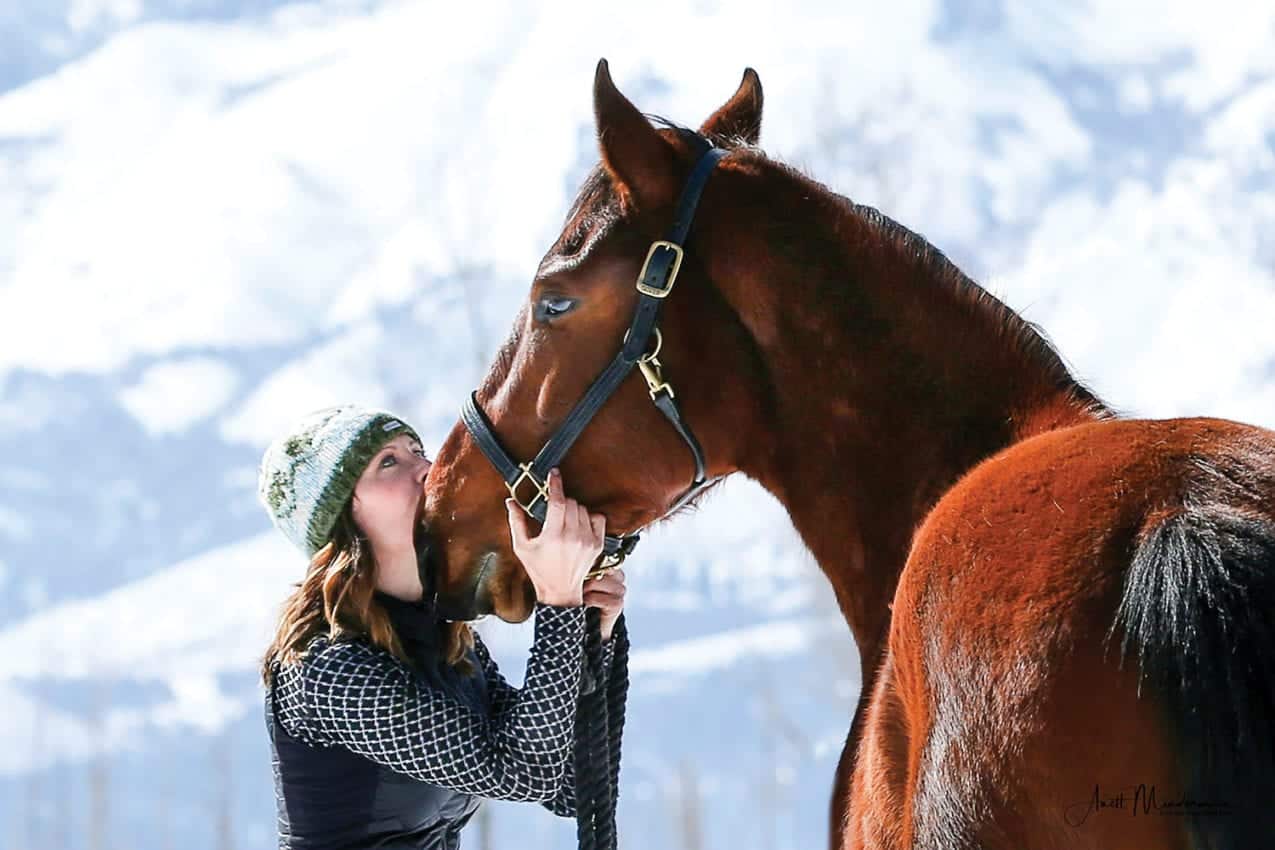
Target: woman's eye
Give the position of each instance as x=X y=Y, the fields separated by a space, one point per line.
x=388 y=459
x=421 y=452
x=553 y=307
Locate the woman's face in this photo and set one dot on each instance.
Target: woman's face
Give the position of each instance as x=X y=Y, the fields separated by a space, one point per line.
x=386 y=498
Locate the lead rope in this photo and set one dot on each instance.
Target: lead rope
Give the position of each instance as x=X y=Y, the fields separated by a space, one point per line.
x=599 y=726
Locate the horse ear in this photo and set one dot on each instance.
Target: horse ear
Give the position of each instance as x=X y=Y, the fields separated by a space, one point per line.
x=739 y=117
x=641 y=162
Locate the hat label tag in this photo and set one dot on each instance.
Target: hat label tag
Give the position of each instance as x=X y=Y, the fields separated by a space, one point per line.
x=390 y=426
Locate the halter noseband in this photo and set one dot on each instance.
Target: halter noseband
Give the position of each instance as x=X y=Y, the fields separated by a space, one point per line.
x=654 y=283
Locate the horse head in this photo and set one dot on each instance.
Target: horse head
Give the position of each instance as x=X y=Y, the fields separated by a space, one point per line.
x=628 y=462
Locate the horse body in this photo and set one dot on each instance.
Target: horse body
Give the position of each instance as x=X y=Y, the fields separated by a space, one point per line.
x=1044 y=595
x=1006 y=713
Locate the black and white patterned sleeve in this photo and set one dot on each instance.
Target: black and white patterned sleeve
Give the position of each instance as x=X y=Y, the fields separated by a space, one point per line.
x=500 y=693
x=352 y=695
x=504 y=694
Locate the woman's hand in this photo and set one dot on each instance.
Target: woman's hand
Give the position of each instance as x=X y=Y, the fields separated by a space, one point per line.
x=606 y=592
x=569 y=543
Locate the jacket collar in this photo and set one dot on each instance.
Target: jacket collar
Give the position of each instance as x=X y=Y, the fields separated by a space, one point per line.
x=418 y=626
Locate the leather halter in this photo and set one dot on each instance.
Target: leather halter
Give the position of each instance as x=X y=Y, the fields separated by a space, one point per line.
x=654 y=283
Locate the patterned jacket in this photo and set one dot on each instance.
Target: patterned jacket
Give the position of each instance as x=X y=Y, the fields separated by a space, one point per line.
x=371 y=752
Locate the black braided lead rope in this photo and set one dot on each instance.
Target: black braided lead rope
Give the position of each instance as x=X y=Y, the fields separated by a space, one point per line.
x=617 y=697
x=599 y=725
x=588 y=792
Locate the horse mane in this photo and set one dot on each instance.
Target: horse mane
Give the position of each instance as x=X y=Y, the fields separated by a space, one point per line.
x=1023 y=336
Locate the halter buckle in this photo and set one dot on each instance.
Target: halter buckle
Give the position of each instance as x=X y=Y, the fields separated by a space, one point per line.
x=542 y=489
x=602 y=569
x=607 y=563
x=670 y=275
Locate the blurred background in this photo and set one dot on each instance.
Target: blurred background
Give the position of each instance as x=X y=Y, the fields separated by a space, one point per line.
x=216 y=216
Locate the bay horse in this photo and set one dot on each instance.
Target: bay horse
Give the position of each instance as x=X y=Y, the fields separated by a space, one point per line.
x=1064 y=615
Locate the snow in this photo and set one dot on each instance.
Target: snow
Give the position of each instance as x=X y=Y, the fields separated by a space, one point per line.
x=344 y=368
x=173 y=395
x=171 y=625
x=13 y=524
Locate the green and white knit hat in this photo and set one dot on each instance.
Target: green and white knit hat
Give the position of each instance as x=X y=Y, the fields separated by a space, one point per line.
x=307 y=475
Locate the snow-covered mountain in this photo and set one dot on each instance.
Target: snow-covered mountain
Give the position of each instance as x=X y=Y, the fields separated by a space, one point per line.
x=216 y=216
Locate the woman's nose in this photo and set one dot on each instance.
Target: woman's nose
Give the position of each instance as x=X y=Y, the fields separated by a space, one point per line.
x=423 y=471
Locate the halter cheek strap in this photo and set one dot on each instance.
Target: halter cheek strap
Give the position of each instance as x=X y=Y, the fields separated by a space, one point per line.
x=654 y=283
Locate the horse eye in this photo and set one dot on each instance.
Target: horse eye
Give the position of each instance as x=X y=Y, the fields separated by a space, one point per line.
x=551 y=307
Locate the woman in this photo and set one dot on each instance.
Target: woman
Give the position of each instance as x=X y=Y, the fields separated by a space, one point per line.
x=388 y=723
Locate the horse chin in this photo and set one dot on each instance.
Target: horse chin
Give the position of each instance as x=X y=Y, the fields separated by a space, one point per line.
x=517 y=605
x=455 y=609
x=468 y=602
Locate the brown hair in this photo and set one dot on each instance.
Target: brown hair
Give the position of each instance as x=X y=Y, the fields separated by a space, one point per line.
x=336 y=598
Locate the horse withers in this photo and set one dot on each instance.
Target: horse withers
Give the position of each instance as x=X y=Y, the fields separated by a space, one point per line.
x=1064 y=615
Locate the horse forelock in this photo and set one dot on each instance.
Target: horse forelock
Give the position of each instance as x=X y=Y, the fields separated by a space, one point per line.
x=592 y=215
x=600 y=205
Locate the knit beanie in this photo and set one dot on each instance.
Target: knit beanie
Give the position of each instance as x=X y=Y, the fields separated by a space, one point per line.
x=307 y=475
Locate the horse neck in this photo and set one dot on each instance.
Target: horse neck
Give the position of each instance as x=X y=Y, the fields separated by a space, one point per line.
x=891 y=375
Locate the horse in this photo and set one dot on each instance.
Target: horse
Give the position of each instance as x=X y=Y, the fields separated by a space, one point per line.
x=1063 y=614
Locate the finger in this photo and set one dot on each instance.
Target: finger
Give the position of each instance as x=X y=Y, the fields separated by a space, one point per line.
x=605 y=601
x=611 y=585
x=517 y=524
x=603 y=597
x=598 y=522
x=568 y=519
x=596 y=581
x=605 y=584
x=557 y=503
x=583 y=525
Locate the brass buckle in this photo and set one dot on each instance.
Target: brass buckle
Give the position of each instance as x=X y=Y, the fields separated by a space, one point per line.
x=651 y=368
x=605 y=564
x=600 y=570
x=655 y=382
x=542 y=490
x=646 y=289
